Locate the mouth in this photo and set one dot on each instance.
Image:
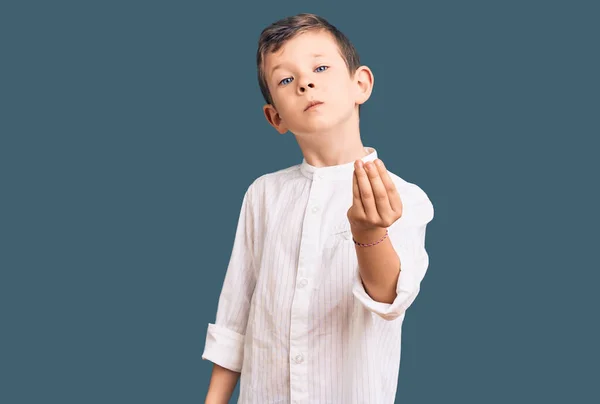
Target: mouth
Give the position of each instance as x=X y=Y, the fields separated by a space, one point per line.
x=312 y=104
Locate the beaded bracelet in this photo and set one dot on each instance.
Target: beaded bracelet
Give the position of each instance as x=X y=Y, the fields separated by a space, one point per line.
x=372 y=244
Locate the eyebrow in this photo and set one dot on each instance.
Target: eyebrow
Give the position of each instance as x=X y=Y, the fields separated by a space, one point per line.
x=314 y=55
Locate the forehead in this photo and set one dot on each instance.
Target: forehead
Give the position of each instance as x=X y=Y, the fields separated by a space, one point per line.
x=302 y=46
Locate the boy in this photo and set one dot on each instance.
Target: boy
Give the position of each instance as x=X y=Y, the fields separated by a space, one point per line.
x=328 y=254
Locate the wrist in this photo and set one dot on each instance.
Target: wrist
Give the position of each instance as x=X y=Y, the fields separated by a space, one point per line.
x=368 y=235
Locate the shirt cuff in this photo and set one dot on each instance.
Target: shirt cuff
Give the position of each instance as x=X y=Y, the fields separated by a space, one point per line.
x=224 y=347
x=407 y=289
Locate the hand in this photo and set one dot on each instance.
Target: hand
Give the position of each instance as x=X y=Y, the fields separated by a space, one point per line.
x=376 y=203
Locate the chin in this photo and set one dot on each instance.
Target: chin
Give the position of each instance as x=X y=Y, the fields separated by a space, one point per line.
x=317 y=124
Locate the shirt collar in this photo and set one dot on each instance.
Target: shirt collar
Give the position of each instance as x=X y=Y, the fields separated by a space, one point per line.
x=341 y=171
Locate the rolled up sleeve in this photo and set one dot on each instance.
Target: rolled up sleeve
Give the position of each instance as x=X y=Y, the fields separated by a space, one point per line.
x=224 y=347
x=225 y=338
x=407 y=236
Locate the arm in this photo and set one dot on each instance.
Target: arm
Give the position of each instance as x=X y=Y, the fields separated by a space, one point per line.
x=225 y=338
x=222 y=384
x=390 y=272
x=379 y=265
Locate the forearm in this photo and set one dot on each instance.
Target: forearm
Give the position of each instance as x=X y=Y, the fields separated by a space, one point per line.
x=379 y=265
x=222 y=384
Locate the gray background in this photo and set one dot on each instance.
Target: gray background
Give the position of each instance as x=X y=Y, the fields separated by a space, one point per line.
x=129 y=132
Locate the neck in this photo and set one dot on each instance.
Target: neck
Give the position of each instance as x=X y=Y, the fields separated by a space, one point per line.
x=334 y=146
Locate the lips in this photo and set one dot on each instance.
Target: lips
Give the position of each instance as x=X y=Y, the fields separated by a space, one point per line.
x=312 y=104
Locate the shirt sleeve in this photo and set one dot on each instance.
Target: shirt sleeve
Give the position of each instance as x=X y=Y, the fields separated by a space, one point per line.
x=407 y=236
x=225 y=338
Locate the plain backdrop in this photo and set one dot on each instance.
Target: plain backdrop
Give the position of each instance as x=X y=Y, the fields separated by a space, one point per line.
x=130 y=130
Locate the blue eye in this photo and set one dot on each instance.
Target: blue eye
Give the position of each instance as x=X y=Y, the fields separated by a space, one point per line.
x=289 y=78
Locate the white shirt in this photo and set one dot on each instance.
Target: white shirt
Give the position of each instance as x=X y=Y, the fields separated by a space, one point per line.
x=293 y=316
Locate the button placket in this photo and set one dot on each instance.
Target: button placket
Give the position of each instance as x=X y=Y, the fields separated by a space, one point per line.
x=301 y=302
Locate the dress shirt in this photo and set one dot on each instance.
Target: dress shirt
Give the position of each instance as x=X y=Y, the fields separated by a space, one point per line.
x=293 y=316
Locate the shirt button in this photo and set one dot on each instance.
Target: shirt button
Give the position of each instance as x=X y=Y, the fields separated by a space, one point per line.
x=299 y=358
x=315 y=209
x=303 y=283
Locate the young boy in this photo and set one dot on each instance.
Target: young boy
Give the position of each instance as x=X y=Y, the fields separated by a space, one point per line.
x=328 y=254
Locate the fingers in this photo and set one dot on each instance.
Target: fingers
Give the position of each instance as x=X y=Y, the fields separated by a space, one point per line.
x=380 y=193
x=372 y=191
x=356 y=193
x=392 y=193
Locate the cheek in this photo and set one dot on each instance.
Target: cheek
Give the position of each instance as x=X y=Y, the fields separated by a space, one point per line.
x=286 y=110
x=280 y=104
x=341 y=89
x=345 y=97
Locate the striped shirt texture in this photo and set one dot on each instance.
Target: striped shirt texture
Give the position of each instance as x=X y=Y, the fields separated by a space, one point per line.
x=293 y=316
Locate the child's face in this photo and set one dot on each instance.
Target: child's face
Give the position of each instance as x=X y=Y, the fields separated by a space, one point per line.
x=296 y=76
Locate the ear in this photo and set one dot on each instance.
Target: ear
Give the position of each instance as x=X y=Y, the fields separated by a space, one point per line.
x=274 y=119
x=364 y=80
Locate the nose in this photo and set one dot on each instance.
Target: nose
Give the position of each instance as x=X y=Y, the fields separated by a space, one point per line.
x=304 y=85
